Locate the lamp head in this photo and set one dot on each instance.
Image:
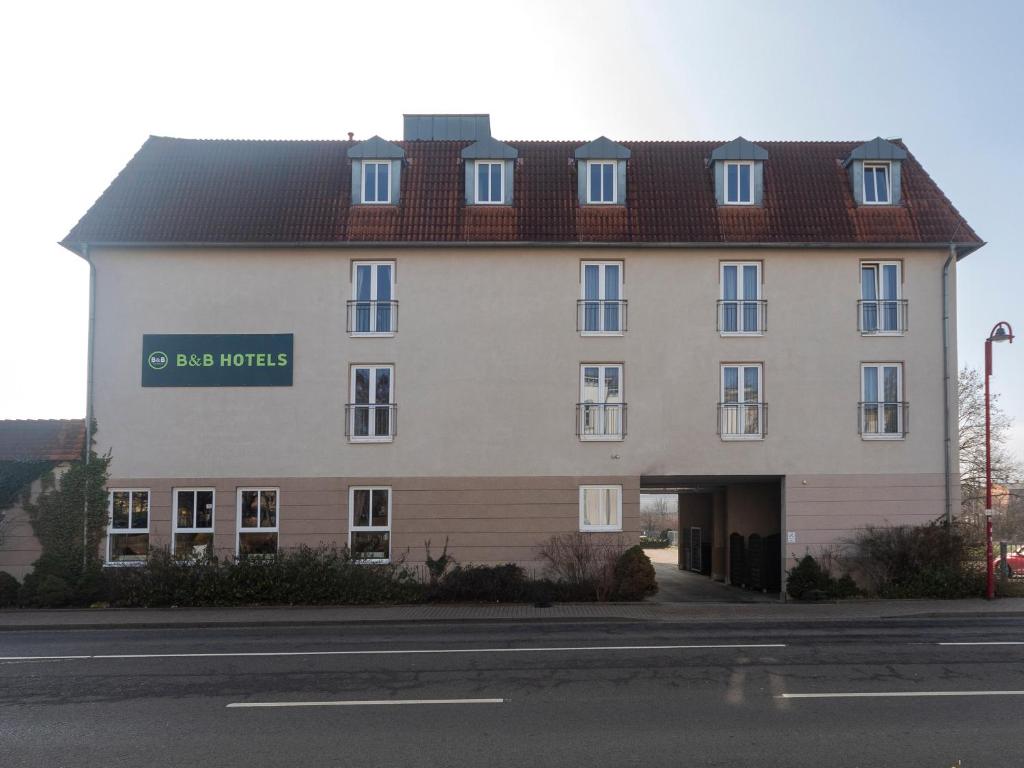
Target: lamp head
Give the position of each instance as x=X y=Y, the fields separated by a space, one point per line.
x=1002 y=332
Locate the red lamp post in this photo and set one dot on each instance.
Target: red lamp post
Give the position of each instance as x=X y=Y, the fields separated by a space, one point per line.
x=1001 y=332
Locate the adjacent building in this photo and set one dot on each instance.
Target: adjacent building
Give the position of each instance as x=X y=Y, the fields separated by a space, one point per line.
x=377 y=344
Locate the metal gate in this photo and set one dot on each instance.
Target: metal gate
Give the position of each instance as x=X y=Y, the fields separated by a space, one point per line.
x=696 y=539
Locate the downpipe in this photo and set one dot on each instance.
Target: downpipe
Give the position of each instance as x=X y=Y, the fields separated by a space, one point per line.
x=946 y=427
x=88 y=402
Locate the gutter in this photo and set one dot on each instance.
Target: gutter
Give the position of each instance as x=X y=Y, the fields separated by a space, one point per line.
x=88 y=400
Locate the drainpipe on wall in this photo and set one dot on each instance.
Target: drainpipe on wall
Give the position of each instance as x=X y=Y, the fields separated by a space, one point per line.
x=88 y=402
x=946 y=380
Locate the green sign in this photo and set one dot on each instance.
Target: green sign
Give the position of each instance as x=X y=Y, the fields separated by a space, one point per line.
x=217 y=360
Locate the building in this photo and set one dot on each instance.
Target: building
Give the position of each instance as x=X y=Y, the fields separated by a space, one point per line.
x=30 y=451
x=451 y=337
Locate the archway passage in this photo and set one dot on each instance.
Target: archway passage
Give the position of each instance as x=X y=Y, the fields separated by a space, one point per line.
x=727 y=540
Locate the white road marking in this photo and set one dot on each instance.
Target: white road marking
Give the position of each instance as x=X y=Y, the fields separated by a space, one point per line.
x=366 y=703
x=246 y=654
x=989 y=642
x=896 y=694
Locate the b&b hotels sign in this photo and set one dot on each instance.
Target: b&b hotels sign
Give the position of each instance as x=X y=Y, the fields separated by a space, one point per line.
x=217 y=360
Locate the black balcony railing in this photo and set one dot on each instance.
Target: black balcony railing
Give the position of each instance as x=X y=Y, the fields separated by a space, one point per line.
x=370 y=423
x=742 y=421
x=878 y=316
x=372 y=318
x=601 y=316
x=883 y=419
x=742 y=316
x=601 y=421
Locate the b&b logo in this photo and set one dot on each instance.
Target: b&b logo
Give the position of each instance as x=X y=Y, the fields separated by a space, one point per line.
x=158 y=360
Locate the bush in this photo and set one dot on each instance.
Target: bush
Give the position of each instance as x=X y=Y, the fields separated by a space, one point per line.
x=634 y=575
x=928 y=561
x=807 y=580
x=9 y=588
x=481 y=583
x=45 y=590
x=583 y=562
x=651 y=542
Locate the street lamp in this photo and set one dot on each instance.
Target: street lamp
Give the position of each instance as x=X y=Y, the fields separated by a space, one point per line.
x=1001 y=332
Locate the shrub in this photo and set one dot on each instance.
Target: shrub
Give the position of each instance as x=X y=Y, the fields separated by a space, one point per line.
x=482 y=583
x=45 y=591
x=808 y=580
x=584 y=562
x=651 y=542
x=437 y=567
x=634 y=575
x=9 y=588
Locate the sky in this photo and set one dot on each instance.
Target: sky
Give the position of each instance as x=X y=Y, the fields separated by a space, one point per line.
x=84 y=84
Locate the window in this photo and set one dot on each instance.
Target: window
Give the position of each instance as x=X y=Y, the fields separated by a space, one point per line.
x=193 y=522
x=601 y=412
x=738 y=186
x=741 y=309
x=373 y=310
x=369 y=529
x=600 y=507
x=376 y=181
x=601 y=181
x=741 y=411
x=128 y=531
x=489 y=181
x=257 y=521
x=876 y=183
x=882 y=311
x=883 y=412
x=602 y=311
x=371 y=415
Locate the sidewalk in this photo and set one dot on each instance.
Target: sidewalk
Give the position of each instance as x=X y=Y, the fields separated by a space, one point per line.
x=690 y=613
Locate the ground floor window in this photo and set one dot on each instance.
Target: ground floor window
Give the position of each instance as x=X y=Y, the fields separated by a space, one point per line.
x=257 y=521
x=193 y=522
x=369 y=536
x=128 y=531
x=600 y=507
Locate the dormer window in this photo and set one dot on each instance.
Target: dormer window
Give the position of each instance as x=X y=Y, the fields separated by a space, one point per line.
x=601 y=172
x=876 y=183
x=377 y=181
x=600 y=181
x=738 y=186
x=490 y=183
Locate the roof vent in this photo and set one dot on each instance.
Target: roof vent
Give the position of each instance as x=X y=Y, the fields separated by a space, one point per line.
x=446 y=127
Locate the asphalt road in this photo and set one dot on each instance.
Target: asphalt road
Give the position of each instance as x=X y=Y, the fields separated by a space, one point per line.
x=512 y=694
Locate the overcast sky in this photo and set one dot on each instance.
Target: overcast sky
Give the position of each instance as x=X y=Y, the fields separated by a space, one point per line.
x=85 y=83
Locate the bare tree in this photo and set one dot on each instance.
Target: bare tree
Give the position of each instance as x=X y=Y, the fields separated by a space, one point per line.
x=656 y=516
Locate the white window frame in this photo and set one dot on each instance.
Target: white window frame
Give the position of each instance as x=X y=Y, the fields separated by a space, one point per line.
x=602 y=393
x=175 y=530
x=901 y=427
x=615 y=182
x=587 y=528
x=740 y=394
x=476 y=181
x=352 y=528
x=239 y=530
x=362 y=193
x=375 y=292
x=112 y=531
x=725 y=182
x=741 y=297
x=602 y=292
x=888 y=183
x=371 y=438
x=900 y=318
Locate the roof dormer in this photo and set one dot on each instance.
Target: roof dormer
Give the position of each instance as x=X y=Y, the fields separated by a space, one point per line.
x=490 y=165
x=875 y=172
x=739 y=172
x=376 y=172
x=601 y=172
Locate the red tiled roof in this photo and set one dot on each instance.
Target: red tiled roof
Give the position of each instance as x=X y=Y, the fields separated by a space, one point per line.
x=238 y=192
x=42 y=439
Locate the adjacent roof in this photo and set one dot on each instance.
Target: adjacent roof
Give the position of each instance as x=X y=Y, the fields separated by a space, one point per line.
x=183 y=191
x=42 y=439
x=446 y=127
x=739 y=149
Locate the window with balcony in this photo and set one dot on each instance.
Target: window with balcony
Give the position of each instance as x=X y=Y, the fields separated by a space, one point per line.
x=601 y=412
x=883 y=412
x=373 y=310
x=741 y=412
x=600 y=507
x=601 y=181
x=193 y=522
x=128 y=528
x=376 y=181
x=370 y=413
x=881 y=309
x=257 y=521
x=876 y=184
x=738 y=187
x=741 y=310
x=369 y=534
x=601 y=310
